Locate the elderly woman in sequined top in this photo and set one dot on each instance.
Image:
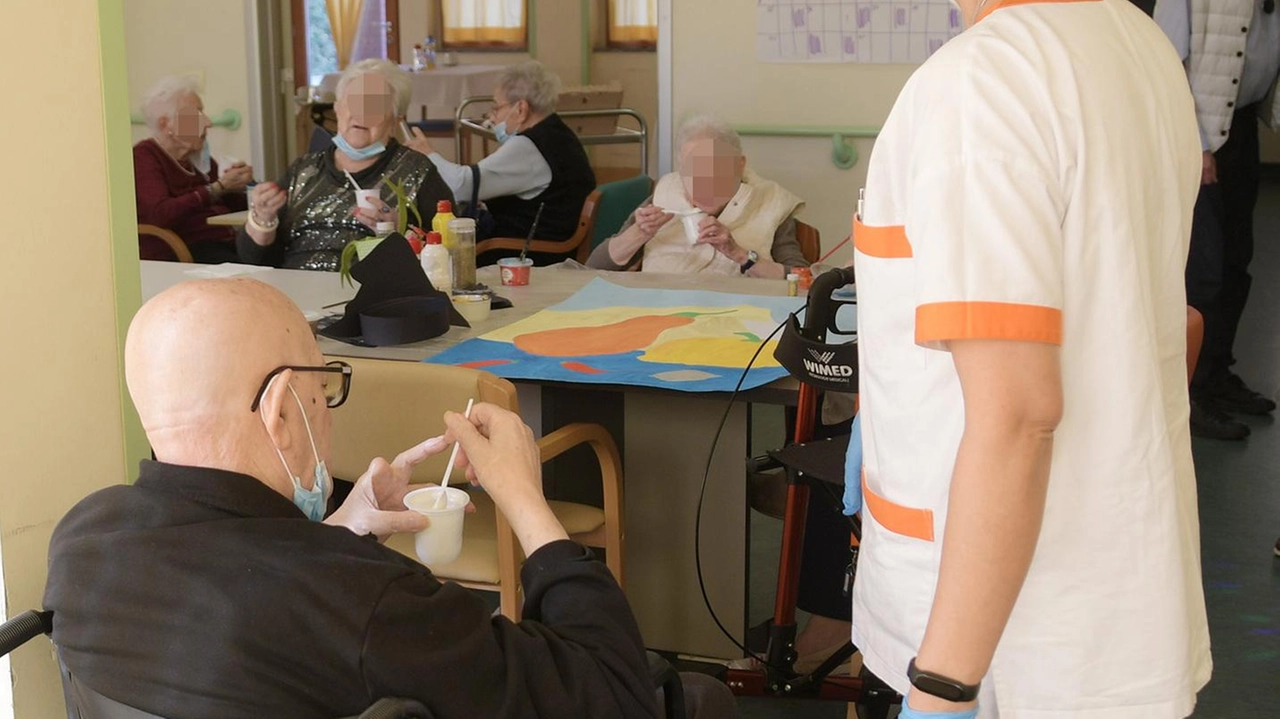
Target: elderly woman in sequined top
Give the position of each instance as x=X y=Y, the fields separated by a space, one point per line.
x=307 y=218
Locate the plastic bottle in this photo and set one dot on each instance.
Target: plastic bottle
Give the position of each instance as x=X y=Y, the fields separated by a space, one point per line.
x=431 y=52
x=444 y=215
x=436 y=263
x=793 y=284
x=419 y=57
x=464 y=252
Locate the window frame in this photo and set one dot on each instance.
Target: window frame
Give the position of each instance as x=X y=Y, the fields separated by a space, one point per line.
x=481 y=46
x=621 y=45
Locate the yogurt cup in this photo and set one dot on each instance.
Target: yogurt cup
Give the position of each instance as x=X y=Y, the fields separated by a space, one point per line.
x=441 y=542
x=368 y=199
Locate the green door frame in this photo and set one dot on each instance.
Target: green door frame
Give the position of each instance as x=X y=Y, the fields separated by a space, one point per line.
x=122 y=207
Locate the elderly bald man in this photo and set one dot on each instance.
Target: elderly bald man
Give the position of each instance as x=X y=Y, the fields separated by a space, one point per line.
x=203 y=590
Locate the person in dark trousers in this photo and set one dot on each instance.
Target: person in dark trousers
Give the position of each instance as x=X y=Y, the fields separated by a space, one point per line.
x=216 y=587
x=1231 y=49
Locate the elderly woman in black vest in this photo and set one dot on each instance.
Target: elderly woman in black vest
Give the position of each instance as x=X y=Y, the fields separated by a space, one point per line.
x=539 y=161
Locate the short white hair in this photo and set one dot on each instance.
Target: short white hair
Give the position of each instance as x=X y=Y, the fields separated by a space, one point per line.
x=397 y=79
x=161 y=99
x=532 y=82
x=705 y=126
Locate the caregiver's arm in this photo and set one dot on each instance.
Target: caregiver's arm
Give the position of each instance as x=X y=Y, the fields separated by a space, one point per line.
x=1013 y=402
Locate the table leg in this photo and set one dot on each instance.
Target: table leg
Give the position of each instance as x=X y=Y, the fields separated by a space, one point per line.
x=667 y=439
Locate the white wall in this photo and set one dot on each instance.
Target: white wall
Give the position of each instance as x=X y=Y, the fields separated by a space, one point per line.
x=205 y=38
x=715 y=70
x=61 y=433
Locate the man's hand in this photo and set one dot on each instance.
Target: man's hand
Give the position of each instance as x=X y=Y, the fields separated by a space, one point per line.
x=499 y=453
x=418 y=141
x=712 y=232
x=1209 y=172
x=376 y=505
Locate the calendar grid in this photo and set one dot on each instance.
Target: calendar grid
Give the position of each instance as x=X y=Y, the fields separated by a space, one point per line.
x=860 y=31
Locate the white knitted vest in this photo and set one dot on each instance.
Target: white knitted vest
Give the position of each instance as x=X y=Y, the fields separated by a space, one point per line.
x=753 y=216
x=1218 y=36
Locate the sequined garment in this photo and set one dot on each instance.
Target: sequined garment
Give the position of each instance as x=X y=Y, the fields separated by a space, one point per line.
x=317 y=222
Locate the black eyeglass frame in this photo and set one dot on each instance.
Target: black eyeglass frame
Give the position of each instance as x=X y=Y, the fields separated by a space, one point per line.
x=334 y=367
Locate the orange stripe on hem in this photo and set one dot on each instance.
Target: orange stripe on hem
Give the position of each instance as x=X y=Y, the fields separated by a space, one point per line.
x=887 y=242
x=907 y=521
x=942 y=321
x=1012 y=3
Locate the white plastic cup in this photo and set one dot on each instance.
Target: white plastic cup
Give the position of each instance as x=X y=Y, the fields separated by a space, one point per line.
x=474 y=308
x=441 y=542
x=368 y=199
x=691 y=222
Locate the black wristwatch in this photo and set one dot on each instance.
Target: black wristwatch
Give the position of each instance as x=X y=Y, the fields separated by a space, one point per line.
x=752 y=258
x=940 y=686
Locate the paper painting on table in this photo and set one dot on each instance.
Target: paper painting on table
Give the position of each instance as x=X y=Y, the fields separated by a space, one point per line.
x=686 y=340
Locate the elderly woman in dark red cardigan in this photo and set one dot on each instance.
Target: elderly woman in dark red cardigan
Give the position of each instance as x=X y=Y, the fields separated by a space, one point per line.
x=178 y=184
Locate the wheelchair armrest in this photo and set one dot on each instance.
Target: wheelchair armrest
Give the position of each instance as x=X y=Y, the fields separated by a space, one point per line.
x=396 y=708
x=23 y=628
x=666 y=678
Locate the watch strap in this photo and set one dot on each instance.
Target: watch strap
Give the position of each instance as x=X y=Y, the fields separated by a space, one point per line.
x=940 y=686
x=752 y=258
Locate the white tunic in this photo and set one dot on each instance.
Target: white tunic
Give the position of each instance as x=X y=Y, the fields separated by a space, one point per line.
x=1035 y=182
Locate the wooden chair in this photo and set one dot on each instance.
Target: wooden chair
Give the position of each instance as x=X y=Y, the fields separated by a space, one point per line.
x=170 y=238
x=810 y=241
x=578 y=246
x=394 y=405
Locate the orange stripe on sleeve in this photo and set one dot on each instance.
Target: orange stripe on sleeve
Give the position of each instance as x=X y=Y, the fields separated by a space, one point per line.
x=888 y=242
x=942 y=321
x=907 y=521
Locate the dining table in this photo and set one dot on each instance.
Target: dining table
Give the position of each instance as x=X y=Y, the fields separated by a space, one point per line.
x=666 y=438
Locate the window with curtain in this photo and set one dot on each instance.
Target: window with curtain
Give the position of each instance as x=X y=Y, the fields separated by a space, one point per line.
x=632 y=23
x=484 y=23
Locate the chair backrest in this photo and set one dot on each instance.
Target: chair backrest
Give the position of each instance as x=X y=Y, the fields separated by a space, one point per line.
x=617 y=201
x=809 y=240
x=170 y=238
x=395 y=405
x=577 y=246
x=321 y=139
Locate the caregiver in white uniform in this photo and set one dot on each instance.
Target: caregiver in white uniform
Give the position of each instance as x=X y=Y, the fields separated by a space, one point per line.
x=1031 y=536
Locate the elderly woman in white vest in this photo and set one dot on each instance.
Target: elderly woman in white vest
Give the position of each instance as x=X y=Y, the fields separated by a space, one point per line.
x=738 y=222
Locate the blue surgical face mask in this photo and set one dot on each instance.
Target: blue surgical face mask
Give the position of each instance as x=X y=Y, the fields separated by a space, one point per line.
x=202 y=161
x=363 y=153
x=312 y=501
x=500 y=132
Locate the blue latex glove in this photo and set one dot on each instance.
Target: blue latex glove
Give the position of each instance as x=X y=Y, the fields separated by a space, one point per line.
x=909 y=713
x=853 y=469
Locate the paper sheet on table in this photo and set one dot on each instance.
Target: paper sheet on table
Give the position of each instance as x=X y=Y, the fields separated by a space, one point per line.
x=223 y=271
x=686 y=340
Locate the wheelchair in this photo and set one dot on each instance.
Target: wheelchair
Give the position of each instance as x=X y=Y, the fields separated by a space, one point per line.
x=85 y=703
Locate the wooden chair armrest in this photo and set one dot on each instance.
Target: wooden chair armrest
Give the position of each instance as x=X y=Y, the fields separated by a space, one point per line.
x=601 y=442
x=170 y=238
x=559 y=247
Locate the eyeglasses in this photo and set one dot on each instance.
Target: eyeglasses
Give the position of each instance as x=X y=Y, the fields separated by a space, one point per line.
x=336 y=377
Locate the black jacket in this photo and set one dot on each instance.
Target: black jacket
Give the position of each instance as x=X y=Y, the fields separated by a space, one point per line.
x=202 y=593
